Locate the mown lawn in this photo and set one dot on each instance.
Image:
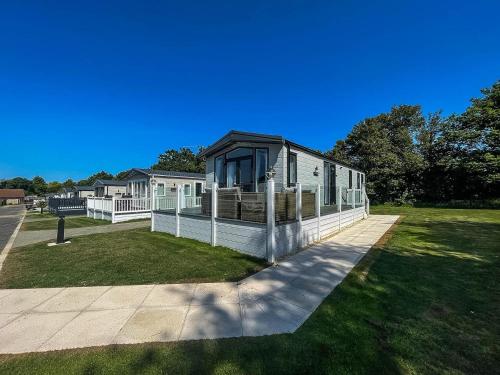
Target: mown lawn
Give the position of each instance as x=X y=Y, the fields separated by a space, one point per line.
x=69 y=222
x=136 y=256
x=425 y=302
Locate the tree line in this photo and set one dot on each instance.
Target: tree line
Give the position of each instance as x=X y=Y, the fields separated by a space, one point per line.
x=410 y=157
x=407 y=156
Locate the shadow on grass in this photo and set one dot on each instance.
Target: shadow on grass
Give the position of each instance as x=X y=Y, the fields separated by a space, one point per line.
x=428 y=301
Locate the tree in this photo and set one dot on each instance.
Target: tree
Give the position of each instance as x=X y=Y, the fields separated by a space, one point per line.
x=17 y=183
x=69 y=183
x=54 y=187
x=41 y=204
x=121 y=175
x=383 y=147
x=38 y=186
x=477 y=150
x=89 y=181
x=182 y=160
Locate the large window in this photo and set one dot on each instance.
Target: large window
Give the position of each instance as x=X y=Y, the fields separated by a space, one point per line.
x=358 y=180
x=187 y=190
x=292 y=169
x=350 y=179
x=243 y=167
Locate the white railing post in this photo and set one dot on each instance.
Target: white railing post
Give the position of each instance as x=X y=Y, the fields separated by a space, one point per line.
x=152 y=208
x=102 y=208
x=366 y=202
x=213 y=212
x=298 y=213
x=339 y=203
x=178 y=211
x=318 y=210
x=113 y=200
x=271 y=242
x=353 y=202
x=95 y=204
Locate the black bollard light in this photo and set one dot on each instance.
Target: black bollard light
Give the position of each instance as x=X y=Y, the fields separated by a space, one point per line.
x=60 y=229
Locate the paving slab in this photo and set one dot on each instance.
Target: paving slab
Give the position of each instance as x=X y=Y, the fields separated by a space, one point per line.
x=150 y=324
x=276 y=300
x=170 y=295
x=122 y=297
x=215 y=293
x=90 y=328
x=212 y=321
x=22 y=300
x=270 y=316
x=7 y=318
x=72 y=299
x=28 y=332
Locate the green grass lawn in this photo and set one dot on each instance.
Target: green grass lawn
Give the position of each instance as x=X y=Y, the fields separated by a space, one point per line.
x=425 y=302
x=37 y=214
x=136 y=256
x=69 y=222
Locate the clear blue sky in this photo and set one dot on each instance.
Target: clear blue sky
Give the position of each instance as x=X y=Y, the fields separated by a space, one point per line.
x=100 y=85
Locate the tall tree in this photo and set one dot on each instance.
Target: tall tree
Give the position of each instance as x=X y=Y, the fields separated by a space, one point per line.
x=182 y=160
x=38 y=186
x=383 y=147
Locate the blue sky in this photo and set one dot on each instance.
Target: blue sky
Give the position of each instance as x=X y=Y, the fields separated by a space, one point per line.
x=88 y=86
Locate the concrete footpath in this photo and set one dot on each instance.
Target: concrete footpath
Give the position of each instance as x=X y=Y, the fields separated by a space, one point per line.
x=34 y=236
x=275 y=300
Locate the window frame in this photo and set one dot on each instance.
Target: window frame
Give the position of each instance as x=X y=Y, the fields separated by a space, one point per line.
x=288 y=181
x=164 y=189
x=190 y=190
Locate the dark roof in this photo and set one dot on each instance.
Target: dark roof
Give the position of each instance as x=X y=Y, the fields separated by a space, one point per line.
x=84 y=188
x=110 y=183
x=239 y=136
x=174 y=174
x=11 y=193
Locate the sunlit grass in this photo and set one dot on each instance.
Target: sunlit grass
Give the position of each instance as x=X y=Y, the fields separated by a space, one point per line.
x=425 y=302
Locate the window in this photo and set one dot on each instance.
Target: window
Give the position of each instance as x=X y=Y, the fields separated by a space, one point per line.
x=350 y=179
x=219 y=170
x=260 y=168
x=362 y=179
x=239 y=153
x=358 y=180
x=160 y=191
x=187 y=190
x=292 y=169
x=243 y=167
x=198 y=189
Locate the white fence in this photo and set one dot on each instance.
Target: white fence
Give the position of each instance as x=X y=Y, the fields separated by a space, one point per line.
x=118 y=209
x=270 y=239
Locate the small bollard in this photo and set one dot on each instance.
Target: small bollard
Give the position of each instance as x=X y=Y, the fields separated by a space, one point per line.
x=60 y=230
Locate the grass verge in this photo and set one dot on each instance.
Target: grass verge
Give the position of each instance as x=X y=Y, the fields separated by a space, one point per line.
x=426 y=300
x=136 y=256
x=69 y=223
